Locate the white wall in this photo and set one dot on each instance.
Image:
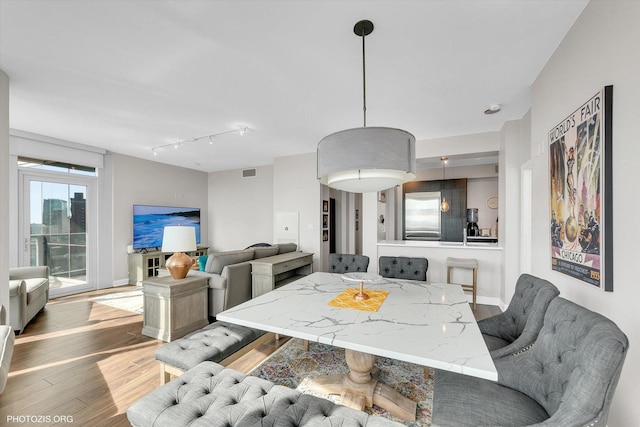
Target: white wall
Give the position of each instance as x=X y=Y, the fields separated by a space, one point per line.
x=297 y=189
x=4 y=190
x=240 y=209
x=600 y=49
x=461 y=144
x=37 y=146
x=137 y=181
x=515 y=137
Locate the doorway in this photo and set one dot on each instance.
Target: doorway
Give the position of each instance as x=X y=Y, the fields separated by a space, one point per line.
x=57 y=228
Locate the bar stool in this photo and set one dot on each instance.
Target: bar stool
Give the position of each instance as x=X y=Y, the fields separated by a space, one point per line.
x=467 y=263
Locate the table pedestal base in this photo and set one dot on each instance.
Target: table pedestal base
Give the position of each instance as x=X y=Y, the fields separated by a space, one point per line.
x=360 y=387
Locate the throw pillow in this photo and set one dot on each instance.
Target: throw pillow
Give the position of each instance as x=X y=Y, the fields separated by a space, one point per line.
x=283 y=248
x=202 y=262
x=218 y=261
x=265 y=252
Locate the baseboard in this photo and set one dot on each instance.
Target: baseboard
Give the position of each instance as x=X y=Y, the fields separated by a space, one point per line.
x=488 y=301
x=121 y=282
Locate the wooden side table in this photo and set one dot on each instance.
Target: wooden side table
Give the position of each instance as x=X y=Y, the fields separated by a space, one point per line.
x=173 y=308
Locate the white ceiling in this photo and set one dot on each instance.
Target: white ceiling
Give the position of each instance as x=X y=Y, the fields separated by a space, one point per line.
x=131 y=75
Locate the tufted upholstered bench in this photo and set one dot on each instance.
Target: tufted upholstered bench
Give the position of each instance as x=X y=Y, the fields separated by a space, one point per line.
x=399 y=267
x=567 y=378
x=218 y=342
x=213 y=396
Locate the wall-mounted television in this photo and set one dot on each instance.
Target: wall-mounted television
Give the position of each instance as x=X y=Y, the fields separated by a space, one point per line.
x=149 y=222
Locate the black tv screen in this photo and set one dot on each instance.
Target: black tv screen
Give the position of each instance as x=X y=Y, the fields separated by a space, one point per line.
x=149 y=223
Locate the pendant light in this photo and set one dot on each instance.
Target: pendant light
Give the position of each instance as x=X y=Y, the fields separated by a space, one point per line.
x=366 y=159
x=444 y=205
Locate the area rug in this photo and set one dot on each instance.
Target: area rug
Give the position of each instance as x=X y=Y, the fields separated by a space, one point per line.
x=127 y=300
x=291 y=366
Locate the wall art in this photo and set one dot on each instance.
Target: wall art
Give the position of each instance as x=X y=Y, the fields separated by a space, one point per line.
x=581 y=203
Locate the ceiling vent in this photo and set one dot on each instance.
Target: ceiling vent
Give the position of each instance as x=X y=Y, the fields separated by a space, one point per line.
x=248 y=173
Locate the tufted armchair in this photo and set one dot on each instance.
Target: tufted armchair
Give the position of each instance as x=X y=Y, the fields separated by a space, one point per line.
x=567 y=378
x=348 y=263
x=518 y=326
x=28 y=294
x=398 y=267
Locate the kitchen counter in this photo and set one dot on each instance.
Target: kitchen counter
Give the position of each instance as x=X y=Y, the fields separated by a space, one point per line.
x=439 y=244
x=489 y=256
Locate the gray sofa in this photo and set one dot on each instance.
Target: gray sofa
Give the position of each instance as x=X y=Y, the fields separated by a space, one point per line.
x=28 y=293
x=567 y=378
x=229 y=274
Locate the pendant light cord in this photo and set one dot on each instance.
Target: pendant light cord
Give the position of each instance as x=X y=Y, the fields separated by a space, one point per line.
x=364 y=82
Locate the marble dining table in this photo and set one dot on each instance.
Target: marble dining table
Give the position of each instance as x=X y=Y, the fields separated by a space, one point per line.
x=429 y=324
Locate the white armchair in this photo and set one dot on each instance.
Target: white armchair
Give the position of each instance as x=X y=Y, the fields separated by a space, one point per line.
x=28 y=292
x=7 y=339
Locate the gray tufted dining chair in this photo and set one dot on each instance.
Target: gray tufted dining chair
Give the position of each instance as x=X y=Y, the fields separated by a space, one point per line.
x=518 y=326
x=348 y=263
x=399 y=267
x=567 y=378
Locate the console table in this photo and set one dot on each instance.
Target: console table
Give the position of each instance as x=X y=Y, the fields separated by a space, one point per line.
x=143 y=265
x=270 y=272
x=173 y=308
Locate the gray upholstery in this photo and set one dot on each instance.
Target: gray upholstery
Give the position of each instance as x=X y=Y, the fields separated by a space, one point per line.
x=229 y=276
x=518 y=326
x=214 y=342
x=210 y=395
x=348 y=263
x=567 y=378
x=398 y=267
x=28 y=294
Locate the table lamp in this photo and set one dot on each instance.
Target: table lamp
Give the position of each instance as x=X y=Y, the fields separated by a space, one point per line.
x=179 y=239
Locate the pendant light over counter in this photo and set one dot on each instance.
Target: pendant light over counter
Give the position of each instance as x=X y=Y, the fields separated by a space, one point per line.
x=444 y=205
x=366 y=159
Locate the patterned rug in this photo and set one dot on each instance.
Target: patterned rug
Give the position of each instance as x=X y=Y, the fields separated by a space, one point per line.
x=291 y=366
x=127 y=300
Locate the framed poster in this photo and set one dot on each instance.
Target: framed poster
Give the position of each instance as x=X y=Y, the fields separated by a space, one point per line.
x=581 y=203
x=325 y=206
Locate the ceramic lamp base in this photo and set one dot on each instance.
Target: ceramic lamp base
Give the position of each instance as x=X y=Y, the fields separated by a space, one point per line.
x=179 y=265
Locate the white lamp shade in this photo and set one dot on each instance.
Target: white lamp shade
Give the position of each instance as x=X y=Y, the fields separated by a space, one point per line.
x=367 y=159
x=179 y=239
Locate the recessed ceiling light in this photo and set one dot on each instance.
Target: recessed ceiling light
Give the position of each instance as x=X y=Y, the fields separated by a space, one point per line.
x=493 y=108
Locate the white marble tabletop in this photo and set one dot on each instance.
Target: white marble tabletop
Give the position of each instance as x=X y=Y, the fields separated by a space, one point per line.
x=427 y=324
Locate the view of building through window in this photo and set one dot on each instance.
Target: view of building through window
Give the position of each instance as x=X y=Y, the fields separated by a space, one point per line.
x=57 y=215
x=58 y=228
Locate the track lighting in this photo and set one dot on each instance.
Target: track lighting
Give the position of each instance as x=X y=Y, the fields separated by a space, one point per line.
x=176 y=145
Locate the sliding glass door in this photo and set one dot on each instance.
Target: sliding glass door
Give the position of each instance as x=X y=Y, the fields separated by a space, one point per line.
x=58 y=228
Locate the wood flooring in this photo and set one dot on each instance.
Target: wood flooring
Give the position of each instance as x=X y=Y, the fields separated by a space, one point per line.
x=82 y=363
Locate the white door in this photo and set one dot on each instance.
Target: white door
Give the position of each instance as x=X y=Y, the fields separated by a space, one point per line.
x=58 y=227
